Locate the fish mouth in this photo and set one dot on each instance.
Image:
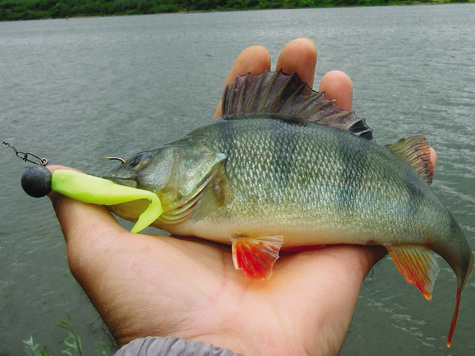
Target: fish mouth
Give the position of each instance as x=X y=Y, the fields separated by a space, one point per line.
x=123 y=176
x=129 y=182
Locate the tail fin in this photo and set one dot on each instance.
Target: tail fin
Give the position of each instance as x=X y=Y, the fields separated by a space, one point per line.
x=461 y=282
x=418 y=267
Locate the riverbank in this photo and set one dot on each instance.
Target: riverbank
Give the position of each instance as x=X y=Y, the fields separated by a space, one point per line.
x=11 y=10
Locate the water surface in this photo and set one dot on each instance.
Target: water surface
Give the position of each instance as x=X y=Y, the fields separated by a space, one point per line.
x=75 y=91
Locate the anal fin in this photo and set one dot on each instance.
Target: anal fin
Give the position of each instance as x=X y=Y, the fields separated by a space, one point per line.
x=256 y=256
x=417 y=265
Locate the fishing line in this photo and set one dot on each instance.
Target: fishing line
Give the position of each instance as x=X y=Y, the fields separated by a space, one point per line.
x=28 y=156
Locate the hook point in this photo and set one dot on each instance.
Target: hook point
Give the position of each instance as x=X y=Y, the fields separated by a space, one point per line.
x=121 y=160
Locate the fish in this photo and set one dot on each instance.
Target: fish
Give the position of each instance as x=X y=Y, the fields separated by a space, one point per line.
x=284 y=168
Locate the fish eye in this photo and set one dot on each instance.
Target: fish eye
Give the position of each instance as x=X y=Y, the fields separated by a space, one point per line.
x=140 y=161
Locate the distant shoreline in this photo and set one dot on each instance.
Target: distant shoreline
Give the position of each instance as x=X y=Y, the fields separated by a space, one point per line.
x=66 y=9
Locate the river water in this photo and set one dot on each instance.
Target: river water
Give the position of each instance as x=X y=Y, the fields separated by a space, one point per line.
x=75 y=91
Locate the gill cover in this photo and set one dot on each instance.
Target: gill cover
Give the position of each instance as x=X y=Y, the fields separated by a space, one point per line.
x=192 y=189
x=180 y=174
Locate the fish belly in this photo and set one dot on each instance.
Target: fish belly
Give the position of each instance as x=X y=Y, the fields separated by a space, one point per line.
x=297 y=235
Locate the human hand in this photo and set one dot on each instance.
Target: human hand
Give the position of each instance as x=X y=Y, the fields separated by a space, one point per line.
x=149 y=285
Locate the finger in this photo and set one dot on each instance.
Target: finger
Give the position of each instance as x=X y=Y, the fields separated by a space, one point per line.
x=433 y=157
x=254 y=59
x=300 y=56
x=337 y=86
x=94 y=240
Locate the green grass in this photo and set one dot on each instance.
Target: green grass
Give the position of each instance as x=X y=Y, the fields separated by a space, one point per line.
x=72 y=345
x=11 y=10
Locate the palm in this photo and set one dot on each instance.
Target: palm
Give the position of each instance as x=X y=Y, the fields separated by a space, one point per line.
x=205 y=298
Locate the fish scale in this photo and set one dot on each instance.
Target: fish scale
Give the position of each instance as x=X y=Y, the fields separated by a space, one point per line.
x=264 y=189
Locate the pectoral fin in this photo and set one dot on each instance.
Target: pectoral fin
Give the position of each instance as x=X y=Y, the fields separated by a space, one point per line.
x=211 y=199
x=256 y=256
x=417 y=265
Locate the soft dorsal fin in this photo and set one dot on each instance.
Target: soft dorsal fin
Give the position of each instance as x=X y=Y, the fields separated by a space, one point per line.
x=286 y=95
x=415 y=150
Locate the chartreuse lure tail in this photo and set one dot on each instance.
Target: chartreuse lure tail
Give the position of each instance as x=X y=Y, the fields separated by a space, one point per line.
x=90 y=189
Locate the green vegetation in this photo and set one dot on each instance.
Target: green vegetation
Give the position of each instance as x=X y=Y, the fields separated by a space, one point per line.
x=11 y=10
x=72 y=343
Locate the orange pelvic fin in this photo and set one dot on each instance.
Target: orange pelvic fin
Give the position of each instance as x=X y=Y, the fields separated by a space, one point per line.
x=417 y=265
x=256 y=256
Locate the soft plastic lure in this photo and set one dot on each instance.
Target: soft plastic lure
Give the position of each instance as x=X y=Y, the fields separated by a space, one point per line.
x=38 y=181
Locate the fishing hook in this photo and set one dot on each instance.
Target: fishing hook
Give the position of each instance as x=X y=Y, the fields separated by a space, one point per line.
x=121 y=160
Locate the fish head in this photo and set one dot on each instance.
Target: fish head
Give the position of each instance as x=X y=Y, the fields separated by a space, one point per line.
x=137 y=170
x=177 y=173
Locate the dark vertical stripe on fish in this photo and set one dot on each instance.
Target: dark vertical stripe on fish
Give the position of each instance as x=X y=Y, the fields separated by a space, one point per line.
x=226 y=134
x=415 y=197
x=352 y=172
x=283 y=156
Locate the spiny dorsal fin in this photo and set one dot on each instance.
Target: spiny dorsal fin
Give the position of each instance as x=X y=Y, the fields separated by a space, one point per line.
x=415 y=150
x=286 y=95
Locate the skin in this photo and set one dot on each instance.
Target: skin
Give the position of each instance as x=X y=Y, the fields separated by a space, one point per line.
x=149 y=285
